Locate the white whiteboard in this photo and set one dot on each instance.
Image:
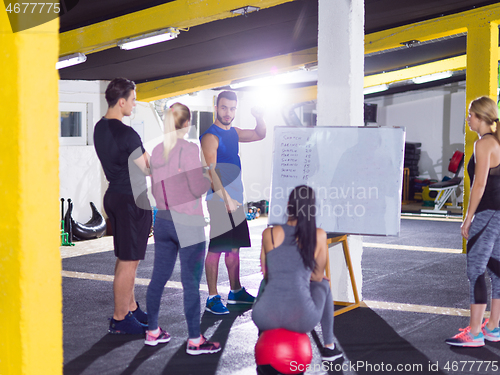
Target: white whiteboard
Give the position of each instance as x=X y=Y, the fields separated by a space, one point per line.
x=356 y=172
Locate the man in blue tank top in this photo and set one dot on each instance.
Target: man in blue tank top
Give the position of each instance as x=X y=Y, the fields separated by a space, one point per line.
x=228 y=225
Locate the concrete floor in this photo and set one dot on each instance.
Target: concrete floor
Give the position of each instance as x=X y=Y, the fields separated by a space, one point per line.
x=414 y=288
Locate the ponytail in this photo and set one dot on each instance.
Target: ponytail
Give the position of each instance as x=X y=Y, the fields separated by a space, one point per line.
x=170 y=138
x=497 y=130
x=302 y=207
x=175 y=118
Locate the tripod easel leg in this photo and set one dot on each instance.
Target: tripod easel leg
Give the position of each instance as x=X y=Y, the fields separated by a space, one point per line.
x=348 y=305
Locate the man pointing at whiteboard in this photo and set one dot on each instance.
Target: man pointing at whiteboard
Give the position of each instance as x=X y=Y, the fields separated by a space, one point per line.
x=228 y=225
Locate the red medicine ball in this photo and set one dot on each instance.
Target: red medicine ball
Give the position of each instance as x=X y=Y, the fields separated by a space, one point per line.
x=286 y=351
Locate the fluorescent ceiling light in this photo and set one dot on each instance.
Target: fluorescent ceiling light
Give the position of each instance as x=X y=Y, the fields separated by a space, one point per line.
x=69 y=60
x=287 y=78
x=311 y=67
x=374 y=89
x=432 y=77
x=238 y=85
x=148 y=39
x=245 y=10
x=263 y=81
x=410 y=43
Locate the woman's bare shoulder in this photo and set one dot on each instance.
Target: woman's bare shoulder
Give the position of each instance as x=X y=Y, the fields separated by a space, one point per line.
x=487 y=141
x=485 y=146
x=266 y=233
x=274 y=229
x=320 y=234
x=272 y=235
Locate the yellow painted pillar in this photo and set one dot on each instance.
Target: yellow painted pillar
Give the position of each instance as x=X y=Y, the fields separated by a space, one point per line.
x=482 y=79
x=30 y=263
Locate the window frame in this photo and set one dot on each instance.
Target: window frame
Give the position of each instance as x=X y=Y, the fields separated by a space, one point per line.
x=77 y=108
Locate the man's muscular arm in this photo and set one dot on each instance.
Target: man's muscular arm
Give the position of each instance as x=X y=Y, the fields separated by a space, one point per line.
x=209 y=146
x=256 y=134
x=143 y=163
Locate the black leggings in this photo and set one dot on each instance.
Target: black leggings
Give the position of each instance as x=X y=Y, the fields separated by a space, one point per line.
x=483 y=251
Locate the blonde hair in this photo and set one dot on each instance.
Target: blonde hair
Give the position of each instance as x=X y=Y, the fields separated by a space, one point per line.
x=486 y=109
x=174 y=119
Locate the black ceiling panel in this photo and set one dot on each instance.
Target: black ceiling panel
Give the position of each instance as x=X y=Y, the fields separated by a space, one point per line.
x=267 y=33
x=387 y=14
x=270 y=32
x=88 y=12
x=419 y=54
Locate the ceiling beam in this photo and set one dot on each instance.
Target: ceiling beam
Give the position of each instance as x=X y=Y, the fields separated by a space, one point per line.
x=186 y=84
x=303 y=94
x=88 y=39
x=451 y=64
x=431 y=29
x=308 y=93
x=180 y=14
x=388 y=39
x=188 y=13
x=223 y=77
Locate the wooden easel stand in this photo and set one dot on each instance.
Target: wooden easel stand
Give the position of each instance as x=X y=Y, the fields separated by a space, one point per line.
x=348 y=305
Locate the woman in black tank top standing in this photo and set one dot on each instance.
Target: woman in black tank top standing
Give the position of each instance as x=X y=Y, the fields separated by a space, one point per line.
x=481 y=226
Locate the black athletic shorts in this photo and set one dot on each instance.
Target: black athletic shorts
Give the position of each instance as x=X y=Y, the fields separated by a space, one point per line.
x=131 y=225
x=227 y=231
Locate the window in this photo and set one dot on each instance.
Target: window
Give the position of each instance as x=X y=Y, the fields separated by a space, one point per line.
x=200 y=122
x=73 y=124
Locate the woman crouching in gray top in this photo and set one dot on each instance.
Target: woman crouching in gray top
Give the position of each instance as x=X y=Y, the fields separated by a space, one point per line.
x=296 y=296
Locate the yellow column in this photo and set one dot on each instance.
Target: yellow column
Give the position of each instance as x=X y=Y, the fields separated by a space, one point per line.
x=30 y=264
x=482 y=79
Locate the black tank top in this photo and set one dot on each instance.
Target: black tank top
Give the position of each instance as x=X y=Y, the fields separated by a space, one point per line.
x=491 y=196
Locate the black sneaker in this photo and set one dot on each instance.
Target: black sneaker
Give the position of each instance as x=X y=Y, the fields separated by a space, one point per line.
x=140 y=315
x=127 y=326
x=328 y=354
x=204 y=347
